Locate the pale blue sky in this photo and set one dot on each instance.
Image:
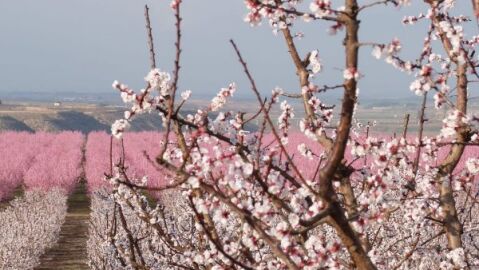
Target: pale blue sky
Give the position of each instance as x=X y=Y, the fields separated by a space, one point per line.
x=83 y=45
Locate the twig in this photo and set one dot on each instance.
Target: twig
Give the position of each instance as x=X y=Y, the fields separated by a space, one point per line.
x=111 y=155
x=267 y=117
x=214 y=241
x=300 y=13
x=150 y=38
x=171 y=102
x=422 y=120
x=322 y=89
x=381 y=2
x=405 y=126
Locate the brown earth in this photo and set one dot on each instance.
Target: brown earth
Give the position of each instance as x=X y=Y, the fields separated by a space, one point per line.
x=18 y=192
x=70 y=252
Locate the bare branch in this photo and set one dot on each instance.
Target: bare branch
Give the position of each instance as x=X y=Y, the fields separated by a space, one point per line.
x=150 y=38
x=381 y=2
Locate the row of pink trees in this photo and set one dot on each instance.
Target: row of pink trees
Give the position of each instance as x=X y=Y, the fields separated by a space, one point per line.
x=18 y=151
x=97 y=156
x=39 y=161
x=405 y=208
x=57 y=165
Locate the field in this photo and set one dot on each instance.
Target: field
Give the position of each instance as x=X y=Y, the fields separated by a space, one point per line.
x=54 y=194
x=87 y=117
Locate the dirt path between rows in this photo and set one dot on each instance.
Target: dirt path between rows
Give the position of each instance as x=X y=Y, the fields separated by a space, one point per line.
x=70 y=252
x=17 y=193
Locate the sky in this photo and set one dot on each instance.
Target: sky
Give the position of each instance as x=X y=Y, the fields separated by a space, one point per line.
x=84 y=45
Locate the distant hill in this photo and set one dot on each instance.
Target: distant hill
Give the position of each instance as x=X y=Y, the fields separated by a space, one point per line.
x=74 y=120
x=76 y=117
x=87 y=117
x=10 y=123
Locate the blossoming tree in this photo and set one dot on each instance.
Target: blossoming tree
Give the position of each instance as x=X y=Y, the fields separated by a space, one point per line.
x=251 y=205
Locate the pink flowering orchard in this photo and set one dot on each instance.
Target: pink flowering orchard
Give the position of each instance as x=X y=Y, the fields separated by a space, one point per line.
x=233 y=198
x=13 y=167
x=58 y=165
x=45 y=167
x=39 y=161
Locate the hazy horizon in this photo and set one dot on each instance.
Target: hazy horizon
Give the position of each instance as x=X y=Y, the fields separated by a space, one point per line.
x=82 y=46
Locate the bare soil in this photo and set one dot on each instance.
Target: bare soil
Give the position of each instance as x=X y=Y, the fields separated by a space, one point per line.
x=16 y=194
x=70 y=252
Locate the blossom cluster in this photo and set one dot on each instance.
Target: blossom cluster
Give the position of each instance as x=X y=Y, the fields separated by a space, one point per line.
x=454 y=121
x=220 y=100
x=323 y=113
x=281 y=15
x=144 y=101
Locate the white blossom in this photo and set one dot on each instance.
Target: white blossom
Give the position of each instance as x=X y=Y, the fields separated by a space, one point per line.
x=186 y=94
x=314 y=62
